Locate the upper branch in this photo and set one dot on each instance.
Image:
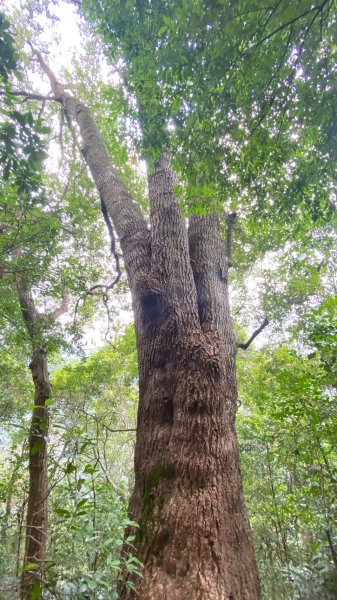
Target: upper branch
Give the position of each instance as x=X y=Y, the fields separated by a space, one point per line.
x=210 y=269
x=230 y=219
x=171 y=269
x=313 y=9
x=62 y=308
x=125 y=215
x=30 y=95
x=254 y=335
x=105 y=288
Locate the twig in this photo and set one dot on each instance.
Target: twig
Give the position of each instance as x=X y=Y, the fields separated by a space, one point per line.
x=99 y=286
x=316 y=9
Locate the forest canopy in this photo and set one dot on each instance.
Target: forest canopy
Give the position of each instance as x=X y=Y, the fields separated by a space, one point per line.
x=168 y=306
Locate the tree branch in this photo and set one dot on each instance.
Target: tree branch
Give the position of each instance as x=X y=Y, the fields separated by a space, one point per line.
x=27 y=305
x=230 y=220
x=125 y=215
x=331 y=546
x=99 y=286
x=254 y=335
x=31 y=96
x=169 y=240
x=317 y=9
x=62 y=308
x=210 y=269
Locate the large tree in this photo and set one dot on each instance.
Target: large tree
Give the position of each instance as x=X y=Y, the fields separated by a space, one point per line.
x=232 y=132
x=194 y=537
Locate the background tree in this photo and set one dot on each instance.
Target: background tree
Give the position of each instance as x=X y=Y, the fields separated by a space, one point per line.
x=35 y=243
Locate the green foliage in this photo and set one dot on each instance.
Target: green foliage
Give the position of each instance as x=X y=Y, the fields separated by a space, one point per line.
x=221 y=70
x=22 y=142
x=90 y=474
x=7 y=51
x=243 y=94
x=320 y=333
x=287 y=429
x=48 y=232
x=22 y=150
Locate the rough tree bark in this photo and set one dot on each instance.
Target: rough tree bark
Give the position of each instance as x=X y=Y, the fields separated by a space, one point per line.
x=194 y=537
x=37 y=508
x=37 y=505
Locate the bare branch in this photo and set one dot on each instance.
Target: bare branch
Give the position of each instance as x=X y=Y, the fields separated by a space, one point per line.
x=254 y=335
x=99 y=286
x=51 y=76
x=62 y=308
x=316 y=9
x=31 y=96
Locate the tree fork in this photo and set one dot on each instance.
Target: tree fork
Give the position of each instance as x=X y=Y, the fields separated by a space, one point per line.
x=186 y=455
x=194 y=538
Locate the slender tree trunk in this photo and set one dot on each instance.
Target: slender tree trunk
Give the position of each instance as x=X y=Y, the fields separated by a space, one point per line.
x=194 y=537
x=20 y=519
x=5 y=521
x=37 y=509
x=37 y=505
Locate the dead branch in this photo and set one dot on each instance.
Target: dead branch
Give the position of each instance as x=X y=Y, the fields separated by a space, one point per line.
x=104 y=287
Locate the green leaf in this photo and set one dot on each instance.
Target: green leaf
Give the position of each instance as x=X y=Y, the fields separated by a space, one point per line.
x=89 y=469
x=32 y=566
x=70 y=468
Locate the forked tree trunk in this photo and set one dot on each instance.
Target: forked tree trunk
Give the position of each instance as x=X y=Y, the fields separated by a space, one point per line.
x=194 y=537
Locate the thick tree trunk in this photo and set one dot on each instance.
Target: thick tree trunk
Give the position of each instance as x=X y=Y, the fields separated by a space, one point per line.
x=37 y=509
x=194 y=537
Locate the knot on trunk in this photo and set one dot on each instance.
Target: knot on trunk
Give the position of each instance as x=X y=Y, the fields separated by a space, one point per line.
x=39 y=356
